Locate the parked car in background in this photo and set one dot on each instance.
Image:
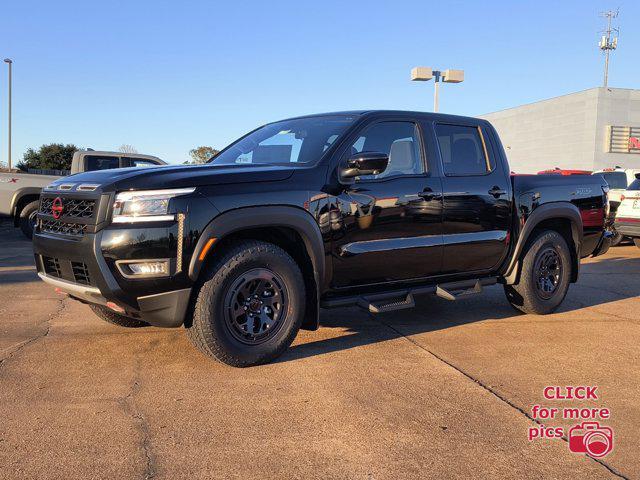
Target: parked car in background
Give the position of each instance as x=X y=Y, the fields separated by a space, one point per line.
x=619 y=179
x=560 y=171
x=364 y=208
x=19 y=192
x=627 y=221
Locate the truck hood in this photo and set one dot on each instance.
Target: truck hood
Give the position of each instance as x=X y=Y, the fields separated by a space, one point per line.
x=151 y=178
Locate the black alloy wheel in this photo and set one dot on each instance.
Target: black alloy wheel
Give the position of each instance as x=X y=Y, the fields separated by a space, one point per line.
x=255 y=306
x=547 y=272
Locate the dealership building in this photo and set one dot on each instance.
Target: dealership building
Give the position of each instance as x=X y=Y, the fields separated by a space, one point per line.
x=589 y=130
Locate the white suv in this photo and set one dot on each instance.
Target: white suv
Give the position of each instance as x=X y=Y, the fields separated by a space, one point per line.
x=619 y=179
x=627 y=221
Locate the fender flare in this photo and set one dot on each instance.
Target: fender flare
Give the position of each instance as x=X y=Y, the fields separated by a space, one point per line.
x=270 y=216
x=564 y=210
x=19 y=194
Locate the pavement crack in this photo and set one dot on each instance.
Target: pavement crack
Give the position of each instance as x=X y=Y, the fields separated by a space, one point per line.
x=130 y=407
x=12 y=352
x=493 y=392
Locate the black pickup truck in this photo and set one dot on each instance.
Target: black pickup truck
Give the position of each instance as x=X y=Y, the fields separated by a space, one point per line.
x=366 y=208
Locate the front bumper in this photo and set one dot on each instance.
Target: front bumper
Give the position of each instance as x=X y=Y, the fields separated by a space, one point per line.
x=161 y=310
x=604 y=244
x=77 y=266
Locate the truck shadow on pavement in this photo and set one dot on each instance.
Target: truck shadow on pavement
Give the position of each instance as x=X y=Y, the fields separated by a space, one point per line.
x=355 y=328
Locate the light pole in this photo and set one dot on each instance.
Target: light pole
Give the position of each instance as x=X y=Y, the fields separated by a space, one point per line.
x=424 y=74
x=10 y=63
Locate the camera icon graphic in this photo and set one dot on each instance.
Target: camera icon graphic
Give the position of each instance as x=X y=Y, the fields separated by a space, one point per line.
x=591 y=438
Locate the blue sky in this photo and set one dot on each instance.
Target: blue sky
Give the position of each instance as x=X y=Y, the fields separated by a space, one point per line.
x=168 y=76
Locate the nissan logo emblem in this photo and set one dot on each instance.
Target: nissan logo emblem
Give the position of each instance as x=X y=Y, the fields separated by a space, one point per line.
x=57 y=208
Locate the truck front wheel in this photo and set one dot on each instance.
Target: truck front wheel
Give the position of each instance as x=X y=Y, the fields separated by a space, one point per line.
x=545 y=275
x=250 y=304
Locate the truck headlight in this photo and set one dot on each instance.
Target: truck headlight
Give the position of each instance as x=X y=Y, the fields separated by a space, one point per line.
x=145 y=205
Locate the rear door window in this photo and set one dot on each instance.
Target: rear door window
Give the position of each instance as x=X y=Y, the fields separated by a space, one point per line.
x=99 y=162
x=462 y=150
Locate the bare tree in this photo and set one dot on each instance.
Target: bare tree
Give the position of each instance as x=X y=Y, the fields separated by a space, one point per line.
x=127 y=149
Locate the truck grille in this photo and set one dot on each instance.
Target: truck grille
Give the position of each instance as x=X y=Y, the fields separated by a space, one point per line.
x=72 y=207
x=77 y=272
x=62 y=228
x=81 y=273
x=52 y=266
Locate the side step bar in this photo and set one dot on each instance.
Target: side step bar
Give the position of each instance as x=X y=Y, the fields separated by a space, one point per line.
x=400 y=299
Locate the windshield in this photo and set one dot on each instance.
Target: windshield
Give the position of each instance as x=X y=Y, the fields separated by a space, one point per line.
x=615 y=179
x=302 y=140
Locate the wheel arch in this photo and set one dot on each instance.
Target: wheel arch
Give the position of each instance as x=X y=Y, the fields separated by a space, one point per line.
x=291 y=228
x=20 y=199
x=563 y=217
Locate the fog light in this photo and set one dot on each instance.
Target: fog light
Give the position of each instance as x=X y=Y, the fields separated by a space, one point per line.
x=149 y=268
x=144 y=268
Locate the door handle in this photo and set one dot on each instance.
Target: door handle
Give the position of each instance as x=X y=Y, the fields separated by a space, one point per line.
x=428 y=194
x=497 y=191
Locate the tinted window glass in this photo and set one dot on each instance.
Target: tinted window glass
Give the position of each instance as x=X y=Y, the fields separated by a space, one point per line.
x=95 y=162
x=462 y=150
x=399 y=140
x=300 y=140
x=143 y=163
x=615 y=179
x=635 y=185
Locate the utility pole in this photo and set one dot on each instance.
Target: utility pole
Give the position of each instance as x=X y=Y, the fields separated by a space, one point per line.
x=10 y=63
x=607 y=44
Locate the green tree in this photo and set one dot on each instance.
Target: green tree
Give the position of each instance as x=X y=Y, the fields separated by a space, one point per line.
x=202 y=154
x=55 y=156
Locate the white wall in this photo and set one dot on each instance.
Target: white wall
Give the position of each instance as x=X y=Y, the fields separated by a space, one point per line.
x=616 y=106
x=567 y=131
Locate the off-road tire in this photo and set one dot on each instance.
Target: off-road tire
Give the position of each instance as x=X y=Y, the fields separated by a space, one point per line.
x=617 y=239
x=209 y=330
x=26 y=220
x=114 y=318
x=525 y=296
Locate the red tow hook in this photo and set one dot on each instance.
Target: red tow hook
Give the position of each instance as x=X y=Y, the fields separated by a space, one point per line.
x=115 y=307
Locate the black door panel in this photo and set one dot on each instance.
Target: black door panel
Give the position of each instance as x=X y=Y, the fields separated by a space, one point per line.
x=477 y=201
x=388 y=232
x=390 y=224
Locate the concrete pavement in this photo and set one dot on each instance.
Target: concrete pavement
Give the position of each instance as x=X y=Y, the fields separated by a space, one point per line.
x=441 y=391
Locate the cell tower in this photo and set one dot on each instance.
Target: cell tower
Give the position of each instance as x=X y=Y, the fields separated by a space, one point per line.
x=607 y=43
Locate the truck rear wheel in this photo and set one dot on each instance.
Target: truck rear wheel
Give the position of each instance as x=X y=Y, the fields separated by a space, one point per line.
x=617 y=239
x=28 y=218
x=114 y=318
x=249 y=305
x=545 y=275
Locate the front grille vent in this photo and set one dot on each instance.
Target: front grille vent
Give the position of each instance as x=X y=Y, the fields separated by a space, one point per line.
x=81 y=273
x=72 y=207
x=52 y=266
x=62 y=228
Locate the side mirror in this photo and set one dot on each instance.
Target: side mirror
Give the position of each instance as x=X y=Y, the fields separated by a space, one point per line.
x=364 y=163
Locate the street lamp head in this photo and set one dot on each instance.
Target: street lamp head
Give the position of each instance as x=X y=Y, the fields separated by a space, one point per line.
x=421 y=74
x=8 y=60
x=453 y=76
